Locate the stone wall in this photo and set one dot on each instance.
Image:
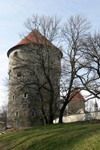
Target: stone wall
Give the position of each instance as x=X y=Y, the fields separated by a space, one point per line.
x=80 y=117
x=23 y=102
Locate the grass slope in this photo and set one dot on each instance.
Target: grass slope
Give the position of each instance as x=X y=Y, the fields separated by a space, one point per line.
x=72 y=136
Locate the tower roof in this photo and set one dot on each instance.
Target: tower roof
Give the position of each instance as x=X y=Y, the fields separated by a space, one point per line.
x=33 y=37
x=76 y=95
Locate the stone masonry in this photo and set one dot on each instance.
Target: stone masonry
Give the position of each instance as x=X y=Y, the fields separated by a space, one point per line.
x=25 y=71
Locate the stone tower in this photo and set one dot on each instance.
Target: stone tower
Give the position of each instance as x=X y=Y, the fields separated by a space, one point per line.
x=34 y=71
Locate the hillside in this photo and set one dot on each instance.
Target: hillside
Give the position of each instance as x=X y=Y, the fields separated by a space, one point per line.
x=72 y=136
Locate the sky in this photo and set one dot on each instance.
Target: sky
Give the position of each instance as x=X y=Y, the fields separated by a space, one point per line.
x=13 y=14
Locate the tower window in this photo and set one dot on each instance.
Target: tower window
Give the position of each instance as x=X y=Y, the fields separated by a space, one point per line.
x=15 y=54
x=25 y=95
x=17 y=114
x=13 y=97
x=19 y=74
x=32 y=114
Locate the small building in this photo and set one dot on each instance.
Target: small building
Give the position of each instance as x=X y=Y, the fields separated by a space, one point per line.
x=77 y=103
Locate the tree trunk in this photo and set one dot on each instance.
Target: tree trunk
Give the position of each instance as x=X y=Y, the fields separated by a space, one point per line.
x=51 y=119
x=60 y=116
x=61 y=113
x=45 y=120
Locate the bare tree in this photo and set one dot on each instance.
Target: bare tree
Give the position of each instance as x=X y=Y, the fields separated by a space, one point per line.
x=74 y=32
x=39 y=78
x=3 y=114
x=91 y=55
x=48 y=26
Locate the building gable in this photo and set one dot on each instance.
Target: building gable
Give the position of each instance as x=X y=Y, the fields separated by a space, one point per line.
x=76 y=96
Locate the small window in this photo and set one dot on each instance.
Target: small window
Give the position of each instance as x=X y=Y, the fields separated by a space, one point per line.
x=13 y=97
x=15 y=54
x=19 y=74
x=25 y=95
x=17 y=114
x=32 y=114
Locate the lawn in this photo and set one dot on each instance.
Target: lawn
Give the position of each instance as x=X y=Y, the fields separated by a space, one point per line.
x=71 y=136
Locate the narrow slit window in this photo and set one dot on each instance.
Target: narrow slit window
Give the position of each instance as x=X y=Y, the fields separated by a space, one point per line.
x=17 y=114
x=13 y=97
x=32 y=114
x=25 y=95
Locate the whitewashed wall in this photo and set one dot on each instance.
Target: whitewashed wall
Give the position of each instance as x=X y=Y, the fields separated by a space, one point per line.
x=79 y=117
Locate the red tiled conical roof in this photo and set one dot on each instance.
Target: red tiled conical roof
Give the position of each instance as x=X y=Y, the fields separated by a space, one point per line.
x=35 y=37
x=77 y=96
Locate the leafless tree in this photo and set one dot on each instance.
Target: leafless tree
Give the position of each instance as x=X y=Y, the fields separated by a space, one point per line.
x=78 y=64
x=74 y=32
x=3 y=114
x=48 y=26
x=91 y=56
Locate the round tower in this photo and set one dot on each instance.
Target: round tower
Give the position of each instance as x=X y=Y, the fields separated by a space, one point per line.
x=34 y=71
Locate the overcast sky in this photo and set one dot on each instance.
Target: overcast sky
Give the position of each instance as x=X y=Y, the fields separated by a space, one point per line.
x=13 y=14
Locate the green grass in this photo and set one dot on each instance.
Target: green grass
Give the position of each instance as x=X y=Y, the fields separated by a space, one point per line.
x=72 y=136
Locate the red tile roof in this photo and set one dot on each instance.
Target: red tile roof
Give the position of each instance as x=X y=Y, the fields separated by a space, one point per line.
x=77 y=97
x=35 y=37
